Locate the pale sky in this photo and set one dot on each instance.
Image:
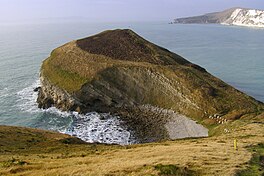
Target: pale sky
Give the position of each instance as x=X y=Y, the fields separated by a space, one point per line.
x=115 y=10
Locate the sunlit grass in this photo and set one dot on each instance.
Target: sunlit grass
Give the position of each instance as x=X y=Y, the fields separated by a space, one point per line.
x=34 y=152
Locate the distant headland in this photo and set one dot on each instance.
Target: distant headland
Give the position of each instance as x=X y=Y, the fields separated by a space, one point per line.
x=234 y=16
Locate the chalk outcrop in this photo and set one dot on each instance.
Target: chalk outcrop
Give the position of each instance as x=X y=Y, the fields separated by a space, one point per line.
x=234 y=16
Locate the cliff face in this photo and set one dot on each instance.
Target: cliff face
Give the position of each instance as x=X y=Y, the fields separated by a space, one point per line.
x=116 y=71
x=246 y=17
x=51 y=94
x=234 y=16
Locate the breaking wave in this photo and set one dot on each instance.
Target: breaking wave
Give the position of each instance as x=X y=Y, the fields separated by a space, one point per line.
x=91 y=127
x=100 y=127
x=27 y=98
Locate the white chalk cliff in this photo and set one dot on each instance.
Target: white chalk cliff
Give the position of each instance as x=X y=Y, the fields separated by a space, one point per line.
x=234 y=16
x=246 y=17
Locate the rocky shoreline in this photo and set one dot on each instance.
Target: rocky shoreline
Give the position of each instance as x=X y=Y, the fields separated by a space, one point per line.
x=50 y=95
x=148 y=123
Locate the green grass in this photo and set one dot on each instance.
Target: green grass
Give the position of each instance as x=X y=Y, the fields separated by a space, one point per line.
x=69 y=81
x=256 y=164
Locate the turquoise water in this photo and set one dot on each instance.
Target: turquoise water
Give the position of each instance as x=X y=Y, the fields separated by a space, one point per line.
x=234 y=54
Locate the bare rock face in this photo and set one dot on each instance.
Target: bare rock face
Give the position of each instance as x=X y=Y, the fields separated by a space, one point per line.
x=118 y=71
x=50 y=95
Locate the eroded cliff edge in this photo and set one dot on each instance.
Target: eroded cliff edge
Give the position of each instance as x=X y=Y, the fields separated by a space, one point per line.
x=118 y=71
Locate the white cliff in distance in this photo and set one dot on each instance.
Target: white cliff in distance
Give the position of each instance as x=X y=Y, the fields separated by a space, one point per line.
x=234 y=16
x=246 y=17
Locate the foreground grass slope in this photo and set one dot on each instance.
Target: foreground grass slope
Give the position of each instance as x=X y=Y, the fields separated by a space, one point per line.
x=26 y=151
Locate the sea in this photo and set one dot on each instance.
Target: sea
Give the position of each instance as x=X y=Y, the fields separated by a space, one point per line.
x=233 y=54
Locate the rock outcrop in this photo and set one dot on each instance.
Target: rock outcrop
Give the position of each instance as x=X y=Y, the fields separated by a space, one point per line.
x=118 y=71
x=234 y=16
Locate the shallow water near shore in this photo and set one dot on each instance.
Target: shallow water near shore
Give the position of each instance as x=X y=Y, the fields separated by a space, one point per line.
x=234 y=54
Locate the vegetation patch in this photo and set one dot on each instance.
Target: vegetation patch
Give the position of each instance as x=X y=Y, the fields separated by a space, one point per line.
x=13 y=162
x=72 y=140
x=169 y=170
x=67 y=80
x=256 y=164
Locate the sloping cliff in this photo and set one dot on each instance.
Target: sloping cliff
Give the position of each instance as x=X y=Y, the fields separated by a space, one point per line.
x=120 y=72
x=234 y=16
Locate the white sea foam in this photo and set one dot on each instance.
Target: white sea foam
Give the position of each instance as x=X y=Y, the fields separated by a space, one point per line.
x=102 y=128
x=91 y=127
x=27 y=98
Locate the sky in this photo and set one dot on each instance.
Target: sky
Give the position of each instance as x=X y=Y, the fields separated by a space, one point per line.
x=115 y=10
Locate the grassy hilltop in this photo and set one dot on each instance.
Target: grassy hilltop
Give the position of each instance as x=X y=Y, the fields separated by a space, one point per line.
x=118 y=68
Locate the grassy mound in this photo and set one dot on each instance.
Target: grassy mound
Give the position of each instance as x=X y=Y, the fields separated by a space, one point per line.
x=117 y=68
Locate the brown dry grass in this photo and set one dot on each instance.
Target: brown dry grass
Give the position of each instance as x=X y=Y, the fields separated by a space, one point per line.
x=207 y=156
